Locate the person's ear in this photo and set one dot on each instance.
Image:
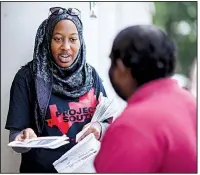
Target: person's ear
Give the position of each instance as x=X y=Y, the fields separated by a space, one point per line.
x=122 y=68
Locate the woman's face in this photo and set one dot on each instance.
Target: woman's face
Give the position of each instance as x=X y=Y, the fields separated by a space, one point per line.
x=65 y=43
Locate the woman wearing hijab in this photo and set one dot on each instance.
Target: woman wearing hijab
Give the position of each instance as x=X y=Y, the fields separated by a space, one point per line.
x=56 y=93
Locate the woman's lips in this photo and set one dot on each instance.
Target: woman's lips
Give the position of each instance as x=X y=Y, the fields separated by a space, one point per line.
x=64 y=58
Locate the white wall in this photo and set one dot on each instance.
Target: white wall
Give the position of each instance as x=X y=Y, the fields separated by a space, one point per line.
x=113 y=17
x=19 y=22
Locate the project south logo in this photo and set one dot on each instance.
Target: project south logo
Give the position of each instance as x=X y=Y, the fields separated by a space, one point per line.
x=78 y=112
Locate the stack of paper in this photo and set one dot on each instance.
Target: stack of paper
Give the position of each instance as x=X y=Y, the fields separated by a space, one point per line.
x=105 y=109
x=41 y=142
x=80 y=158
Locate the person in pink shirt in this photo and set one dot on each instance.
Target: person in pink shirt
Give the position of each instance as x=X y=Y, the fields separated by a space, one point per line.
x=157 y=132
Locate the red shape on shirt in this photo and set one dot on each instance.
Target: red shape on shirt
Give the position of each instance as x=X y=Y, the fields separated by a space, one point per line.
x=86 y=101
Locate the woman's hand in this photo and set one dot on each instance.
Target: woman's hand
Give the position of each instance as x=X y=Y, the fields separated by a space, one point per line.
x=95 y=128
x=27 y=133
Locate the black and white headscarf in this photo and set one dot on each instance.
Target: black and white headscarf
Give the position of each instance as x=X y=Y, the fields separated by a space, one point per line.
x=73 y=81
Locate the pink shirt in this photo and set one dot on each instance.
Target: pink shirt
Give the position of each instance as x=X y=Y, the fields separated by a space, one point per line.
x=156 y=133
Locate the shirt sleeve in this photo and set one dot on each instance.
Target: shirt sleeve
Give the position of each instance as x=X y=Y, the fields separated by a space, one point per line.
x=102 y=89
x=127 y=150
x=19 y=107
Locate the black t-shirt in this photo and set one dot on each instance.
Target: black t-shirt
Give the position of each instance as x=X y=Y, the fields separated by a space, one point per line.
x=64 y=116
x=68 y=116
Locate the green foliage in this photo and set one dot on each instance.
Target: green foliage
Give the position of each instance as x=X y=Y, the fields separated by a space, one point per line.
x=170 y=16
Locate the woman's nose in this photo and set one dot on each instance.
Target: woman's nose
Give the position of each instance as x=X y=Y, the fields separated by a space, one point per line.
x=65 y=45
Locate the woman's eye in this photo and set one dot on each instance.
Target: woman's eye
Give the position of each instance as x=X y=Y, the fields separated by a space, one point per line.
x=73 y=39
x=58 y=39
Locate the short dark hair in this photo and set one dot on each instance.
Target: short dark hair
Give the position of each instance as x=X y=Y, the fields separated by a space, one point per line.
x=147 y=50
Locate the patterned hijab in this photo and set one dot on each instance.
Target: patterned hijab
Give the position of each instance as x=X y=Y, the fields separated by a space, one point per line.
x=73 y=81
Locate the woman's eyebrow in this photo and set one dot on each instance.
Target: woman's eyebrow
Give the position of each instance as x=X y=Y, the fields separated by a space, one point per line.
x=58 y=33
x=74 y=34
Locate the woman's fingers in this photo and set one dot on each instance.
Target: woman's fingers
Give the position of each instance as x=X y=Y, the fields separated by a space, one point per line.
x=89 y=131
x=26 y=134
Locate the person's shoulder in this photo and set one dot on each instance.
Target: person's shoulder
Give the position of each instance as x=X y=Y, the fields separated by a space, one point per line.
x=25 y=73
x=91 y=68
x=132 y=121
x=95 y=74
x=139 y=114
